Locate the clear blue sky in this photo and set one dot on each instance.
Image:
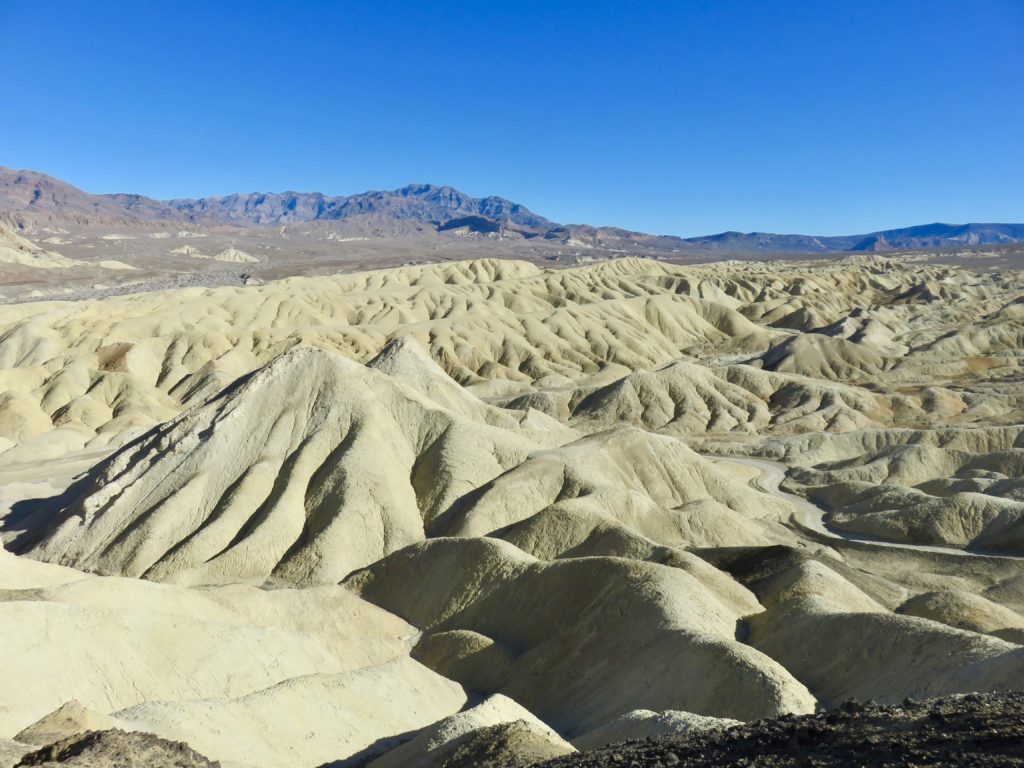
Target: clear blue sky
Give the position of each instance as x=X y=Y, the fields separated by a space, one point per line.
x=671 y=117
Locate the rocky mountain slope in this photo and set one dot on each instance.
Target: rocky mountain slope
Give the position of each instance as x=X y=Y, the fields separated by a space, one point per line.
x=422 y=203
x=920 y=237
x=29 y=197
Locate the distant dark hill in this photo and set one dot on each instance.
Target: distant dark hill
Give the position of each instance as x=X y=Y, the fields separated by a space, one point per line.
x=426 y=203
x=29 y=197
x=762 y=241
x=940 y=236
x=907 y=238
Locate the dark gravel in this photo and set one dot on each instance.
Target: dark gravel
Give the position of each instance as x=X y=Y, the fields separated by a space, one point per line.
x=969 y=730
x=116 y=749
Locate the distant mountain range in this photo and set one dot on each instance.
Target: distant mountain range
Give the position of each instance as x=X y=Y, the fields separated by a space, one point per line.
x=28 y=197
x=908 y=238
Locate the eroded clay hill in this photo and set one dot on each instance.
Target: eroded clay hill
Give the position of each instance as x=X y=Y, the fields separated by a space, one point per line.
x=481 y=511
x=904 y=344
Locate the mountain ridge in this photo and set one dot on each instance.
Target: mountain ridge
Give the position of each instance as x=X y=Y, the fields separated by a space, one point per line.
x=30 y=196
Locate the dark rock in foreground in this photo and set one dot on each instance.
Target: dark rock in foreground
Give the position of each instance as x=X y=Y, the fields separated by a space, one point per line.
x=117 y=749
x=970 y=730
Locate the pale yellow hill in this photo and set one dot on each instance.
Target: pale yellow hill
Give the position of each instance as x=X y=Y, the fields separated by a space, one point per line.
x=505 y=327
x=305 y=470
x=585 y=640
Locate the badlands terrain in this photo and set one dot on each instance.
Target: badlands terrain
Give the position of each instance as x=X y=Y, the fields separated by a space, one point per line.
x=60 y=242
x=497 y=510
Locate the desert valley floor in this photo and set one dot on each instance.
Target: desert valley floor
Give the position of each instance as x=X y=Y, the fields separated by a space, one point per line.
x=386 y=517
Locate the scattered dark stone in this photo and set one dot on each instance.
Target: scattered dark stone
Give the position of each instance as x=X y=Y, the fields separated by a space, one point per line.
x=973 y=731
x=116 y=749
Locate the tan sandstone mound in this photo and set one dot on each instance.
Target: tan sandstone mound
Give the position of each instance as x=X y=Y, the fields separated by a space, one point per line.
x=654 y=485
x=235 y=256
x=508 y=328
x=70 y=719
x=15 y=249
x=659 y=626
x=825 y=357
x=11 y=752
x=243 y=639
x=460 y=739
x=687 y=398
x=964 y=610
x=315 y=466
x=644 y=724
x=517 y=744
x=306 y=470
x=843 y=644
x=925 y=494
x=311 y=720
